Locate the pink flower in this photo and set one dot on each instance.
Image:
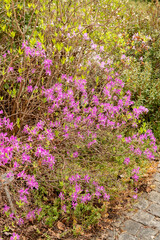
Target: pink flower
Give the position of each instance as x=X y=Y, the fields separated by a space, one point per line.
x=86 y=198
x=119 y=136
x=30 y=88
x=75 y=154
x=9 y=175
x=31 y=215
x=12 y=216
x=101 y=48
x=61 y=195
x=78 y=188
x=24 y=44
x=134 y=196
x=38 y=210
x=136 y=170
x=86 y=178
x=74 y=204
x=123 y=56
x=85 y=36
x=23 y=191
x=98 y=194
x=6 y=208
x=21 y=175
x=16 y=165
x=109 y=62
x=10 y=69
x=126 y=161
x=20 y=221
x=79 y=27
x=74 y=196
x=68 y=35
x=102 y=64
x=15 y=236
x=93 y=46
x=106 y=196
x=135 y=177
x=64 y=208
x=31 y=182
x=19 y=79
x=25 y=158
x=23 y=199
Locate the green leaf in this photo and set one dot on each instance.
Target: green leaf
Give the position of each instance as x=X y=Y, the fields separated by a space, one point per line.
x=68 y=48
x=63 y=60
x=18 y=122
x=13 y=94
x=9 y=14
x=20 y=204
x=6 y=86
x=61 y=183
x=56 y=133
x=71 y=58
x=20 y=51
x=3 y=28
x=97 y=80
x=59 y=46
x=20 y=6
x=6 y=229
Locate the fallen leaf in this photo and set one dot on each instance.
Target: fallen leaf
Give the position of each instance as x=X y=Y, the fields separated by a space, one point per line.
x=53 y=234
x=78 y=229
x=60 y=226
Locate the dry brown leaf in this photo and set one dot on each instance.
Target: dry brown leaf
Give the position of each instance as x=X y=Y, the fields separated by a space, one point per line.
x=60 y=226
x=88 y=235
x=53 y=234
x=79 y=230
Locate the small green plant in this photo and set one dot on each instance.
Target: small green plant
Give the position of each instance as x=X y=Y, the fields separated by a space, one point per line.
x=6 y=229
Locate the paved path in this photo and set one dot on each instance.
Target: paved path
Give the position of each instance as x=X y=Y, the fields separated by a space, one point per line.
x=144 y=222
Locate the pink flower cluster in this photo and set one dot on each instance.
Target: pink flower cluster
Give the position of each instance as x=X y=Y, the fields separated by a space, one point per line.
x=76 y=117
x=92 y=191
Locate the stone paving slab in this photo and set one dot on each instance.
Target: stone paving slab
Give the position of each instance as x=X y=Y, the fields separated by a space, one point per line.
x=147 y=233
x=131 y=227
x=126 y=236
x=142 y=204
x=154 y=197
x=154 y=209
x=143 y=217
x=157 y=177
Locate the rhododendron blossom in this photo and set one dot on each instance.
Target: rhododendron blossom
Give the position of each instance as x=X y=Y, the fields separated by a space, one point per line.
x=76 y=123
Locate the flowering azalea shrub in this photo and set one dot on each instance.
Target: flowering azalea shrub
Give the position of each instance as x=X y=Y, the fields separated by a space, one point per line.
x=78 y=129
x=71 y=135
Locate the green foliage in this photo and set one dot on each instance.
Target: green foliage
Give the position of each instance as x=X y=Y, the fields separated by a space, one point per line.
x=142 y=78
x=87 y=215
